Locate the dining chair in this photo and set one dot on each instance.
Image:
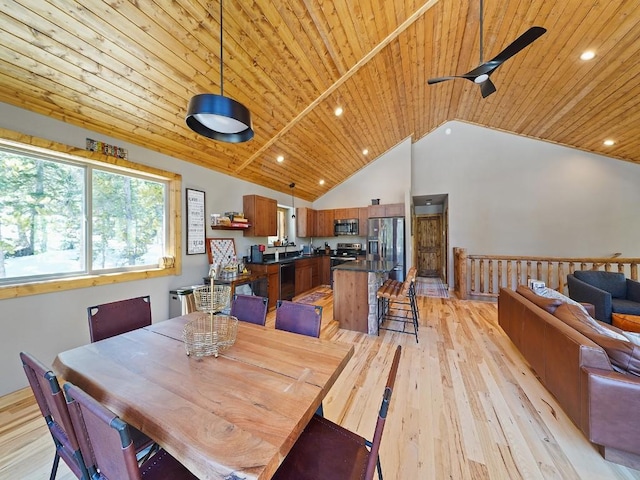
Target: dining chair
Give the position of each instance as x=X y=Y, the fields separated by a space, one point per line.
x=107 y=447
x=327 y=450
x=53 y=406
x=249 y=308
x=301 y=318
x=110 y=319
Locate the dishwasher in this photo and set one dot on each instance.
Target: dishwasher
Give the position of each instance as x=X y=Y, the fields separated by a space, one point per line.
x=287 y=280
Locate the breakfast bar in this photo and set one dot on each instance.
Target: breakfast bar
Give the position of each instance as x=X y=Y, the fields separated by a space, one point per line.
x=355 y=285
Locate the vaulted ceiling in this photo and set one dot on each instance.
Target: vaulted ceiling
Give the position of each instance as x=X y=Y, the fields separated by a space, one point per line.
x=127 y=69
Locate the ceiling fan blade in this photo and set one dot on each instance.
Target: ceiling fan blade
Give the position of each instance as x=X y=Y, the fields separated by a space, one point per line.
x=431 y=81
x=514 y=47
x=519 y=43
x=487 y=88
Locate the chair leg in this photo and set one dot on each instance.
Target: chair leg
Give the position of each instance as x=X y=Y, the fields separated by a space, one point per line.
x=54 y=468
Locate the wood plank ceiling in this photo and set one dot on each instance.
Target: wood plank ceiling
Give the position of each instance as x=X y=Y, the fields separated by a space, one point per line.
x=127 y=69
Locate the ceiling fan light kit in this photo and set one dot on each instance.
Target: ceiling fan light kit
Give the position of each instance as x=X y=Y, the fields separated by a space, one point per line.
x=218 y=117
x=480 y=75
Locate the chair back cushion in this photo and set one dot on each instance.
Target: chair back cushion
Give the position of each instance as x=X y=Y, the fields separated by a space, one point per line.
x=104 y=438
x=612 y=282
x=301 y=318
x=249 y=308
x=53 y=407
x=110 y=319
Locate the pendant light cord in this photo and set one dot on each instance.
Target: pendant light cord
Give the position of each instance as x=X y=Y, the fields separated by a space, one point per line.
x=221 y=62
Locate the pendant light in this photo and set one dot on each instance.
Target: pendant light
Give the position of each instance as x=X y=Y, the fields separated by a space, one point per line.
x=293 y=205
x=218 y=117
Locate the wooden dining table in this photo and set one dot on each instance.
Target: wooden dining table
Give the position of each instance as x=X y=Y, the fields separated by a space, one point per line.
x=231 y=417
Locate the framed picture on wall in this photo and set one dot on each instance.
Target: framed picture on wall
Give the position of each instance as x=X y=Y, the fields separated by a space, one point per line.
x=195 y=222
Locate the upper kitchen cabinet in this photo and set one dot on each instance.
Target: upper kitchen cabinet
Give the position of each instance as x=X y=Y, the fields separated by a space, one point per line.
x=306 y=222
x=363 y=221
x=388 y=210
x=262 y=213
x=345 y=213
x=324 y=223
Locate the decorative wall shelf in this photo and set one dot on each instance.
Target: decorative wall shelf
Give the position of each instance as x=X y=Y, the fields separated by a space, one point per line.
x=233 y=226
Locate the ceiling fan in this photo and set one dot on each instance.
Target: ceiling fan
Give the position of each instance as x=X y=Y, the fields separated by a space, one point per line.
x=480 y=75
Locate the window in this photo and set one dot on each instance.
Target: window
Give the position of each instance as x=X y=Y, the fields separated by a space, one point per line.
x=282 y=220
x=62 y=216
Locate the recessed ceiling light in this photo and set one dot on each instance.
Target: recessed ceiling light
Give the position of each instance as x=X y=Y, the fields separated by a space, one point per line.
x=338 y=111
x=280 y=159
x=447 y=131
x=321 y=182
x=588 y=55
x=365 y=152
x=609 y=143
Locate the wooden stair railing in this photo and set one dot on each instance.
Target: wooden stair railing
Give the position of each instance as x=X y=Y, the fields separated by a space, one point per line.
x=484 y=275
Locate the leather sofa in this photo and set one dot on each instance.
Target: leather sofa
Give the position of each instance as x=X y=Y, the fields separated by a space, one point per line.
x=574 y=362
x=609 y=292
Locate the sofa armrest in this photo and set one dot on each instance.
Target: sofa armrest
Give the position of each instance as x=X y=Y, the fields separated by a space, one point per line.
x=609 y=397
x=583 y=292
x=633 y=290
x=590 y=308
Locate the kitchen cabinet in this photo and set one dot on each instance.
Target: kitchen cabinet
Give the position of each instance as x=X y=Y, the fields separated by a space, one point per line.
x=306 y=222
x=315 y=272
x=273 y=281
x=304 y=273
x=346 y=213
x=394 y=210
x=363 y=221
x=324 y=223
x=262 y=214
x=387 y=210
x=325 y=270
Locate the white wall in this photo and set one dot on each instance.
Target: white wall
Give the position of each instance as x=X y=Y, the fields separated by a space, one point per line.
x=50 y=323
x=513 y=195
x=388 y=178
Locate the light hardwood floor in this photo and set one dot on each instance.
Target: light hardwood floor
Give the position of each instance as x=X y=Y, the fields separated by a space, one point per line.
x=465 y=406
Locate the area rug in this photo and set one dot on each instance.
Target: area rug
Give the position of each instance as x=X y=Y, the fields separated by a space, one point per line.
x=314 y=296
x=431 y=287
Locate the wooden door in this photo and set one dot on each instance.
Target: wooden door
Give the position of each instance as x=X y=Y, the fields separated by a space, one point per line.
x=429 y=240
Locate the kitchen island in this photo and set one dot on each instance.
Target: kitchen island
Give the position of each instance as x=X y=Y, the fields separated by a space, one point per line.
x=355 y=284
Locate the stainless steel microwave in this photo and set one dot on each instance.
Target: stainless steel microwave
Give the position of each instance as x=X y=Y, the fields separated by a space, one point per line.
x=345 y=227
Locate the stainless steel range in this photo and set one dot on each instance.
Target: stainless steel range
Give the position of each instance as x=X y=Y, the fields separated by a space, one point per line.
x=345 y=252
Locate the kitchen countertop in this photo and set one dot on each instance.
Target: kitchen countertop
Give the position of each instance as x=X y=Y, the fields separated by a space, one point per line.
x=284 y=259
x=376 y=266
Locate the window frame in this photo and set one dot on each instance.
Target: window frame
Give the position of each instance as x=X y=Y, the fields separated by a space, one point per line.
x=173 y=248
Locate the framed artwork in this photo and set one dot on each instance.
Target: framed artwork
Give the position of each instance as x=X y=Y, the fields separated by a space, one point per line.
x=220 y=250
x=195 y=222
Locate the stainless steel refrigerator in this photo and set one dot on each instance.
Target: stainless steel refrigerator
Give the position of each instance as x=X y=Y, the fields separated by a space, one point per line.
x=385 y=241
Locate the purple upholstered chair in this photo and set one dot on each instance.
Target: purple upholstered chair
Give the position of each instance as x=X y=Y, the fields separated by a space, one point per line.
x=299 y=318
x=326 y=450
x=107 y=447
x=249 y=308
x=53 y=406
x=110 y=319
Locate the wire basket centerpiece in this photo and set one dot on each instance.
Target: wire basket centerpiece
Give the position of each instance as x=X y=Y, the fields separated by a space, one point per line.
x=209 y=334
x=212 y=298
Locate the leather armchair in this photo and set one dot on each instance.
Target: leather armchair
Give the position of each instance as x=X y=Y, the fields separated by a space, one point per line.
x=608 y=291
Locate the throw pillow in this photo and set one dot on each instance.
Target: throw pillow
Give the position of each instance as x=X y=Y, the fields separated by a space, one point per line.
x=629 y=323
x=624 y=355
x=551 y=293
x=547 y=304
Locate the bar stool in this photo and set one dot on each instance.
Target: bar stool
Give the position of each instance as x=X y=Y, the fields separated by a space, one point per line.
x=397 y=303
